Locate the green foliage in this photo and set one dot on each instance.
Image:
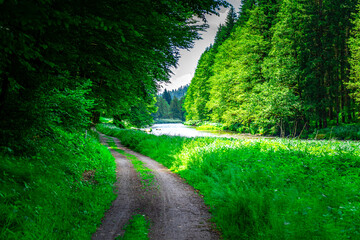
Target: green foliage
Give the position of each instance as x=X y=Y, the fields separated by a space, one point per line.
x=193 y=123
x=265 y=189
x=137 y=229
x=106 y=120
x=100 y=57
x=175 y=109
x=198 y=94
x=208 y=127
x=354 y=44
x=61 y=192
x=283 y=68
x=166 y=95
x=345 y=132
x=68 y=108
x=163 y=108
x=164 y=120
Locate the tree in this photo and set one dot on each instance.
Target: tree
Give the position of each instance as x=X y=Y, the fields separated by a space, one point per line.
x=110 y=44
x=175 y=109
x=298 y=50
x=237 y=68
x=166 y=95
x=163 y=108
x=199 y=90
x=354 y=42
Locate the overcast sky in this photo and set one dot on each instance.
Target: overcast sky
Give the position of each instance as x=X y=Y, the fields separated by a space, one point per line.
x=189 y=59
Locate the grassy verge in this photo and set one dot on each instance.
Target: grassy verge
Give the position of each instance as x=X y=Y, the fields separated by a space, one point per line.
x=137 y=229
x=61 y=192
x=265 y=189
x=146 y=175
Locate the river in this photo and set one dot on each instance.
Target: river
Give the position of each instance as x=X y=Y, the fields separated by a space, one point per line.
x=178 y=129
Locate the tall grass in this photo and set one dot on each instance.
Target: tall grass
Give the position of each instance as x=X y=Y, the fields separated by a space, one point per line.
x=265 y=189
x=61 y=192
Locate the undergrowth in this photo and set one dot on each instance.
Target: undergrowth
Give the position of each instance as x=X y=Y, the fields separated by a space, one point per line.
x=265 y=189
x=61 y=192
x=345 y=132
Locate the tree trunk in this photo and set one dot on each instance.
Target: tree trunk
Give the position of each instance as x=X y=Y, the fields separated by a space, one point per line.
x=95 y=118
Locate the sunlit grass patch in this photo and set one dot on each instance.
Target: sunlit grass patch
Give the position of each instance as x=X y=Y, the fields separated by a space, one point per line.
x=136 y=229
x=106 y=120
x=208 y=127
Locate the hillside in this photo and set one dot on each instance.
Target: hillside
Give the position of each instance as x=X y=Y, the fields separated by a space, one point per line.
x=285 y=67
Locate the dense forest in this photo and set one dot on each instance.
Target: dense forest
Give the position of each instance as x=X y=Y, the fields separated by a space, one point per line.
x=281 y=67
x=62 y=65
x=64 y=62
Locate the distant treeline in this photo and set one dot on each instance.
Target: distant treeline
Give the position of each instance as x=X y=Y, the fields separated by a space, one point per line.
x=281 y=67
x=180 y=92
x=170 y=104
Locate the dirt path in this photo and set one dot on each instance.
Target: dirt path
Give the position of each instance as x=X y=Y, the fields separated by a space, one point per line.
x=173 y=207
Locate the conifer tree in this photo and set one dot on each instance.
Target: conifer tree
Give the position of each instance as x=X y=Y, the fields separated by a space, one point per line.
x=175 y=109
x=166 y=95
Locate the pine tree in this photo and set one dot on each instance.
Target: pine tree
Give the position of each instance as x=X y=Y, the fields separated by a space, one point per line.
x=166 y=95
x=175 y=109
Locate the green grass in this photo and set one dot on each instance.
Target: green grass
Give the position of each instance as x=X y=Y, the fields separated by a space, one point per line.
x=106 y=120
x=209 y=127
x=146 y=175
x=137 y=229
x=265 y=189
x=61 y=192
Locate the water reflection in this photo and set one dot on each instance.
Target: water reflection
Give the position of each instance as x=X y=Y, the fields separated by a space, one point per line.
x=178 y=129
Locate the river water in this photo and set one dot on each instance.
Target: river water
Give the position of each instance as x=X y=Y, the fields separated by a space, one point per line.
x=178 y=129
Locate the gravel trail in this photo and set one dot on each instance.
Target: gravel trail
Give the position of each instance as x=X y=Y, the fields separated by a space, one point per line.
x=175 y=210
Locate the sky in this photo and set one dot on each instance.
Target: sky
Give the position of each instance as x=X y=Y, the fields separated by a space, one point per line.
x=183 y=74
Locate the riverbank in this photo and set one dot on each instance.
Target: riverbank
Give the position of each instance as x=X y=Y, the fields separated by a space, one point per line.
x=265 y=189
x=340 y=132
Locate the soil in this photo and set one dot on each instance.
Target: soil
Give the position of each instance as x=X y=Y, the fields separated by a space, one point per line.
x=173 y=207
